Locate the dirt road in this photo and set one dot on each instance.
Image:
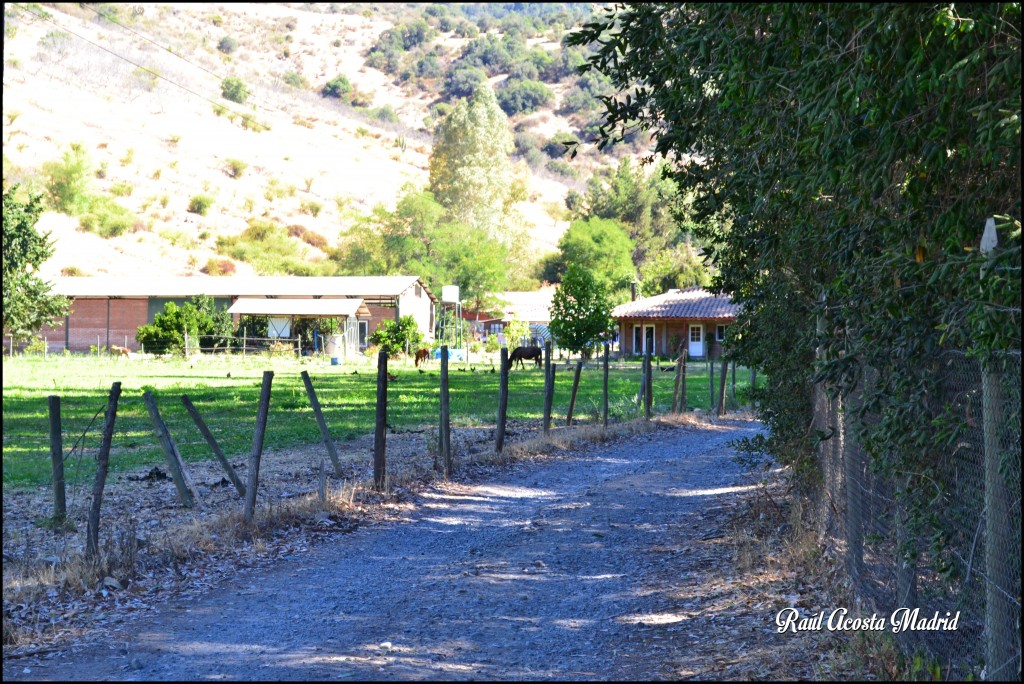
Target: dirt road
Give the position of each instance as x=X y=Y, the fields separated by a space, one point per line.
x=609 y=564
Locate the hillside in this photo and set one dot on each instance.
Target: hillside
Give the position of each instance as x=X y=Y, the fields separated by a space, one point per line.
x=140 y=95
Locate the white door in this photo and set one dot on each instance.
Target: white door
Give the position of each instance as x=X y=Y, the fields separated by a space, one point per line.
x=696 y=340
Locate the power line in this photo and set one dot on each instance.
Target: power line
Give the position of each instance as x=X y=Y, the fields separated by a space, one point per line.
x=145 y=68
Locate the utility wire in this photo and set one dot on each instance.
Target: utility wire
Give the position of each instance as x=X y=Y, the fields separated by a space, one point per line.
x=248 y=117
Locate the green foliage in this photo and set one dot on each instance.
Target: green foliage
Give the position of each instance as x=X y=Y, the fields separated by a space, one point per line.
x=295 y=79
x=462 y=82
x=199 y=204
x=523 y=96
x=515 y=331
x=394 y=337
x=850 y=155
x=235 y=167
x=561 y=167
x=227 y=45
x=417 y=238
x=580 y=311
x=267 y=246
x=198 y=316
x=67 y=181
x=601 y=247
x=28 y=302
x=106 y=217
x=675 y=268
x=470 y=169
x=234 y=89
x=559 y=144
x=338 y=87
x=121 y=189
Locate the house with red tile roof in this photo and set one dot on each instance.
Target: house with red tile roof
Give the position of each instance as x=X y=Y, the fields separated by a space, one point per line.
x=664 y=324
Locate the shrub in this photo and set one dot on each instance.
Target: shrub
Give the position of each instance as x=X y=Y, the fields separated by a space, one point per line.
x=71 y=271
x=561 y=167
x=314 y=239
x=106 y=217
x=523 y=96
x=67 y=181
x=338 y=87
x=295 y=79
x=556 y=146
x=312 y=208
x=462 y=82
x=199 y=204
x=232 y=88
x=385 y=113
x=121 y=189
x=218 y=267
x=296 y=230
x=227 y=45
x=235 y=167
x=394 y=337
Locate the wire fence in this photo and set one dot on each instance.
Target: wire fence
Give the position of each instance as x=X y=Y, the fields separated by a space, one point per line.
x=949 y=549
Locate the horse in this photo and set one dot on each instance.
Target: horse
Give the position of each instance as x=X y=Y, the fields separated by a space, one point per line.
x=119 y=351
x=421 y=355
x=520 y=353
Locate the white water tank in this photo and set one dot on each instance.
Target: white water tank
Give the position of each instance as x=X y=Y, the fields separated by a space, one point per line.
x=450 y=294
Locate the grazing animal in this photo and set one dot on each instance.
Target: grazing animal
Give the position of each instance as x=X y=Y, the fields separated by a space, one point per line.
x=520 y=353
x=119 y=351
x=421 y=355
x=392 y=378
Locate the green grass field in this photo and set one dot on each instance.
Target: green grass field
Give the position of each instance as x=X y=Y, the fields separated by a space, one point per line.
x=225 y=390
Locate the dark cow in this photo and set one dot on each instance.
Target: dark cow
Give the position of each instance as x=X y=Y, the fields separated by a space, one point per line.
x=421 y=355
x=520 y=353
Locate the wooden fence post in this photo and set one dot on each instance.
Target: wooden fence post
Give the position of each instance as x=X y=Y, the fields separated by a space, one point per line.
x=734 y=383
x=380 y=433
x=499 y=436
x=332 y=450
x=253 y=475
x=711 y=385
x=182 y=482
x=444 y=435
x=212 y=441
x=682 y=382
x=60 y=509
x=575 y=387
x=721 y=387
x=604 y=395
x=549 y=388
x=649 y=387
x=675 y=387
x=92 y=534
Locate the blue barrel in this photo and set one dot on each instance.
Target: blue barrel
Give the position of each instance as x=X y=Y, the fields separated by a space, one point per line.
x=334 y=360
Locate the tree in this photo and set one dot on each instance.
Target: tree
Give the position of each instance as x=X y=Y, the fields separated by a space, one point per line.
x=199 y=316
x=602 y=247
x=470 y=166
x=843 y=160
x=395 y=337
x=234 y=89
x=515 y=331
x=338 y=87
x=580 y=311
x=67 y=181
x=28 y=303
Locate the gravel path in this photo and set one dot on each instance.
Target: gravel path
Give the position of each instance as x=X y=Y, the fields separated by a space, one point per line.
x=548 y=570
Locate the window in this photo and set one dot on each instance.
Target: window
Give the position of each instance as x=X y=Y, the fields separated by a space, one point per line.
x=364 y=331
x=696 y=333
x=720 y=333
x=495 y=328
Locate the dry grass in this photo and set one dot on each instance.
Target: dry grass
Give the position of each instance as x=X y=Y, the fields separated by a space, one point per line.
x=35 y=588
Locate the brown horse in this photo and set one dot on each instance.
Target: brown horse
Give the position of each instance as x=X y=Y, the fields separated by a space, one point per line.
x=520 y=353
x=421 y=355
x=119 y=351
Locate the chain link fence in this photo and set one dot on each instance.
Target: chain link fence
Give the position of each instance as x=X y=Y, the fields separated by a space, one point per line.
x=944 y=537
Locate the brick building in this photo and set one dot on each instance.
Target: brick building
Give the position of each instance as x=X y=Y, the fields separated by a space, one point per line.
x=108 y=310
x=663 y=323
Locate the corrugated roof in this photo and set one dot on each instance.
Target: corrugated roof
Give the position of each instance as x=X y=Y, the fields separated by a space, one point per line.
x=236 y=286
x=300 y=307
x=693 y=302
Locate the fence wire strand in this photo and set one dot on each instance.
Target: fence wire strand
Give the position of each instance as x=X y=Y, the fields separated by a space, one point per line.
x=965 y=540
